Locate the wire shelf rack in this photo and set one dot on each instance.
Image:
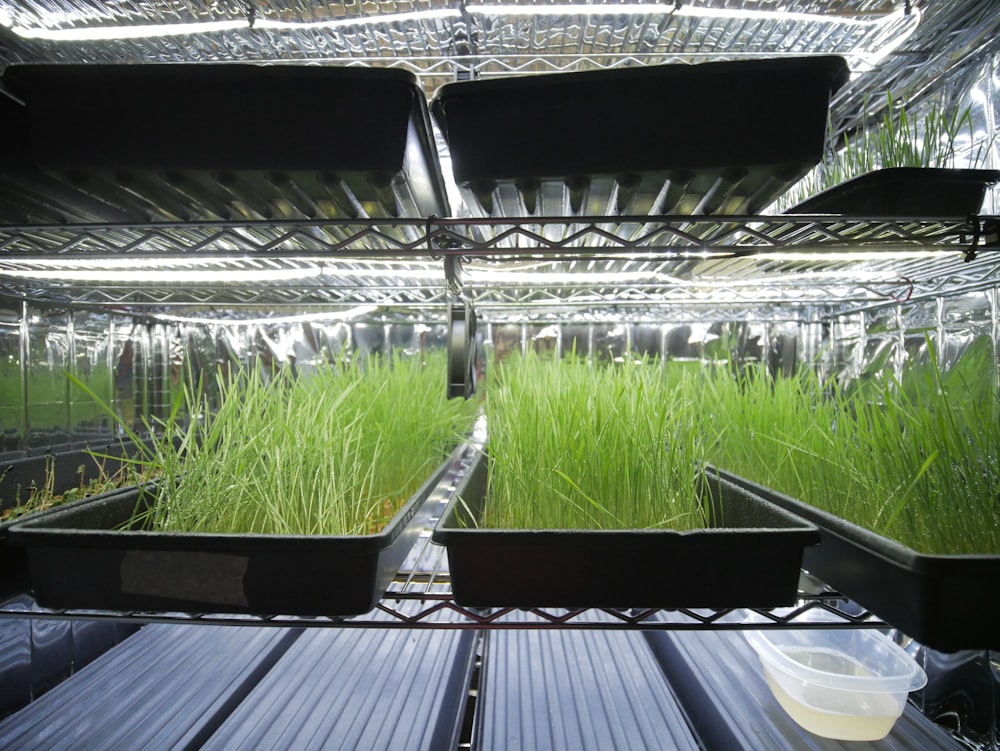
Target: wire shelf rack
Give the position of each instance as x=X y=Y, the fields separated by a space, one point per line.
x=660 y=236
x=440 y=42
x=420 y=596
x=425 y=601
x=540 y=265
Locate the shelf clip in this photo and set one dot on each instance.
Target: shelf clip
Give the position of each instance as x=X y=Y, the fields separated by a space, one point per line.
x=977 y=232
x=453 y=275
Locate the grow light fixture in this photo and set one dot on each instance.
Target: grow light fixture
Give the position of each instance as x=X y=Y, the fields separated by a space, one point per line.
x=154 y=31
x=202 y=271
x=166 y=277
x=677 y=9
x=686 y=9
x=590 y=280
x=585 y=278
x=161 y=275
x=852 y=256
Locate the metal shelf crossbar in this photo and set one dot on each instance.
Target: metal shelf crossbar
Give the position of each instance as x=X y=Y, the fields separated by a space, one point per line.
x=659 y=236
x=440 y=611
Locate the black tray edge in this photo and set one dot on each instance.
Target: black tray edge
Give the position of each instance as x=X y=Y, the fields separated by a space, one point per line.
x=374 y=560
x=474 y=567
x=884 y=547
x=941 y=601
x=885 y=178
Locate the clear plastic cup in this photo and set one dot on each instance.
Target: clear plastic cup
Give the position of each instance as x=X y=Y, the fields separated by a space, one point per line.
x=848 y=684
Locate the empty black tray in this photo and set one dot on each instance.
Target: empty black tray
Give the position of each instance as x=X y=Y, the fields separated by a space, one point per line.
x=752 y=559
x=78 y=560
x=182 y=142
x=720 y=137
x=904 y=191
x=946 y=602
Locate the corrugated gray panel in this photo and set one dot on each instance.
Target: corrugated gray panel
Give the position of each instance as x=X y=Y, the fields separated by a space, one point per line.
x=567 y=689
x=164 y=687
x=358 y=689
x=91 y=639
x=15 y=657
x=719 y=681
x=51 y=653
x=36 y=654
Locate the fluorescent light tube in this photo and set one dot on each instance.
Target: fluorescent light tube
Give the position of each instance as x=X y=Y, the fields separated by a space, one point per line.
x=851 y=256
x=149 y=31
x=202 y=270
x=152 y=31
x=156 y=276
x=348 y=315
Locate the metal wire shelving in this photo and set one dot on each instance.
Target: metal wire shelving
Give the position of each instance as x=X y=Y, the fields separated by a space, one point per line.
x=420 y=596
x=542 y=266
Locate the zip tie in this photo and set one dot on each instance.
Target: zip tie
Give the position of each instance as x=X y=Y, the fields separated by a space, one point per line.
x=909 y=292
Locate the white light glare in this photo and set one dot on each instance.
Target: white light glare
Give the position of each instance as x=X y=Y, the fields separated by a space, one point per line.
x=640 y=9
x=851 y=256
x=200 y=271
x=169 y=276
x=348 y=315
x=105 y=33
x=494 y=276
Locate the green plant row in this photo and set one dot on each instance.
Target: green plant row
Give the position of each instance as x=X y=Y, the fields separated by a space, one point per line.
x=334 y=452
x=47 y=495
x=917 y=461
x=611 y=447
x=573 y=446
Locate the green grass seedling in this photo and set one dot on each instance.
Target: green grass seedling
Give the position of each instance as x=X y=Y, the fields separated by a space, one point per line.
x=578 y=447
x=334 y=452
x=914 y=462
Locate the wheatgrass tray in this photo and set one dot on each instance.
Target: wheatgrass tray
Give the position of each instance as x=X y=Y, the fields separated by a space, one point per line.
x=79 y=559
x=945 y=602
x=750 y=558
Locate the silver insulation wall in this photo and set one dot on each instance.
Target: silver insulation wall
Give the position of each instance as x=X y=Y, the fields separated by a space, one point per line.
x=39 y=407
x=137 y=366
x=897 y=336
x=981 y=95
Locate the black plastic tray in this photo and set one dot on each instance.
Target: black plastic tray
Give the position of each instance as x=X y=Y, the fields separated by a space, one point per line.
x=155 y=141
x=29 y=471
x=752 y=560
x=946 y=602
x=25 y=472
x=671 y=139
x=78 y=560
x=905 y=191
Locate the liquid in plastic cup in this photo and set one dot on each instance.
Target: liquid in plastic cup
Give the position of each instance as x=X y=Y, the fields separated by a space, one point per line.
x=846 y=684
